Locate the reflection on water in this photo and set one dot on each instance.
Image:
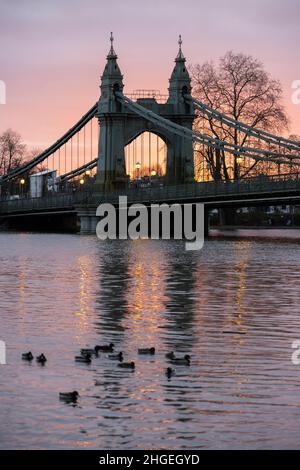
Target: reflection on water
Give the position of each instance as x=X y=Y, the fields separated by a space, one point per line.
x=63 y=292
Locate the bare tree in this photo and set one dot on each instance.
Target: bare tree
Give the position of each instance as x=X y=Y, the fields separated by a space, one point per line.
x=241 y=88
x=12 y=151
x=33 y=153
x=295 y=137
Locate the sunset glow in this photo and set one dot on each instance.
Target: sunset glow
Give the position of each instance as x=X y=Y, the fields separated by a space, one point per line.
x=54 y=56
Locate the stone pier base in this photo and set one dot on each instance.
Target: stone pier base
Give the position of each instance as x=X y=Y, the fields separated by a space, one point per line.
x=87 y=221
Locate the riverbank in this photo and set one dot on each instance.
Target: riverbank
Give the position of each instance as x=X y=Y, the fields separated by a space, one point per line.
x=236 y=231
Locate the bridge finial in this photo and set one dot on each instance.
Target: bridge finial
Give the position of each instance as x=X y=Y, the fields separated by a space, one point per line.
x=111 y=53
x=180 y=55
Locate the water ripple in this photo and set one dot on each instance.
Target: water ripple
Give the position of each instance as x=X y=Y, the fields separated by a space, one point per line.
x=64 y=292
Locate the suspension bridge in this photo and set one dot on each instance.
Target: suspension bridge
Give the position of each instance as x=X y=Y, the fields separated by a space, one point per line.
x=142 y=145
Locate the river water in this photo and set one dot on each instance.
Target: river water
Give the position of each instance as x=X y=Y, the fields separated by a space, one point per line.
x=63 y=292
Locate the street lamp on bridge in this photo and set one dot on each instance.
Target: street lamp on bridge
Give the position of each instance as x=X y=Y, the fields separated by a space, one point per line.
x=22 y=182
x=138 y=167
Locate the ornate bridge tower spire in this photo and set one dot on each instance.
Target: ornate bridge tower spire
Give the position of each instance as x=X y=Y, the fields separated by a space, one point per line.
x=180 y=82
x=120 y=125
x=180 y=165
x=112 y=52
x=111 y=157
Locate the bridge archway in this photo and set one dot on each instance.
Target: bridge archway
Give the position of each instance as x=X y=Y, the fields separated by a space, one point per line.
x=146 y=155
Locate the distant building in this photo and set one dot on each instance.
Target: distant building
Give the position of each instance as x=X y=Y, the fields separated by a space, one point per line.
x=283 y=209
x=42 y=183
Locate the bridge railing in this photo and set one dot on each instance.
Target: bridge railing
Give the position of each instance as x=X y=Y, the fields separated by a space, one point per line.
x=194 y=190
x=70 y=201
x=24 y=204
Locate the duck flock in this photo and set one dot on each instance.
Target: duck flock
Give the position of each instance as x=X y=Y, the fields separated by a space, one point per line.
x=86 y=355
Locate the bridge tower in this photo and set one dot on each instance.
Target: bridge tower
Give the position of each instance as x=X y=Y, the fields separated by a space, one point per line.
x=111 y=156
x=180 y=155
x=119 y=125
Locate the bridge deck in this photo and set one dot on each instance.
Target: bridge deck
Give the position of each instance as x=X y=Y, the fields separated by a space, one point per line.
x=263 y=191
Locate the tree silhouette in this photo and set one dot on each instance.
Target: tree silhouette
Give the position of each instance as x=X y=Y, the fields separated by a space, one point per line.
x=12 y=151
x=239 y=87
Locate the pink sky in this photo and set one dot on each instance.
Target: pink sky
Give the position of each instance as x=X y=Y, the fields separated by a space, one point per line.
x=53 y=54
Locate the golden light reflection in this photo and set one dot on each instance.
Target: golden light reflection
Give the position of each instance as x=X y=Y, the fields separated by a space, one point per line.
x=146 y=302
x=22 y=280
x=84 y=269
x=243 y=250
x=147 y=291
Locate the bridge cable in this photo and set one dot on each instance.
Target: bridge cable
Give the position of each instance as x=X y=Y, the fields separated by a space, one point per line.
x=78 y=171
x=201 y=138
x=53 y=148
x=289 y=144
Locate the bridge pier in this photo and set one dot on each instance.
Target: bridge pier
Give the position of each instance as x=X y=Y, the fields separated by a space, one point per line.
x=206 y=222
x=227 y=216
x=87 y=221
